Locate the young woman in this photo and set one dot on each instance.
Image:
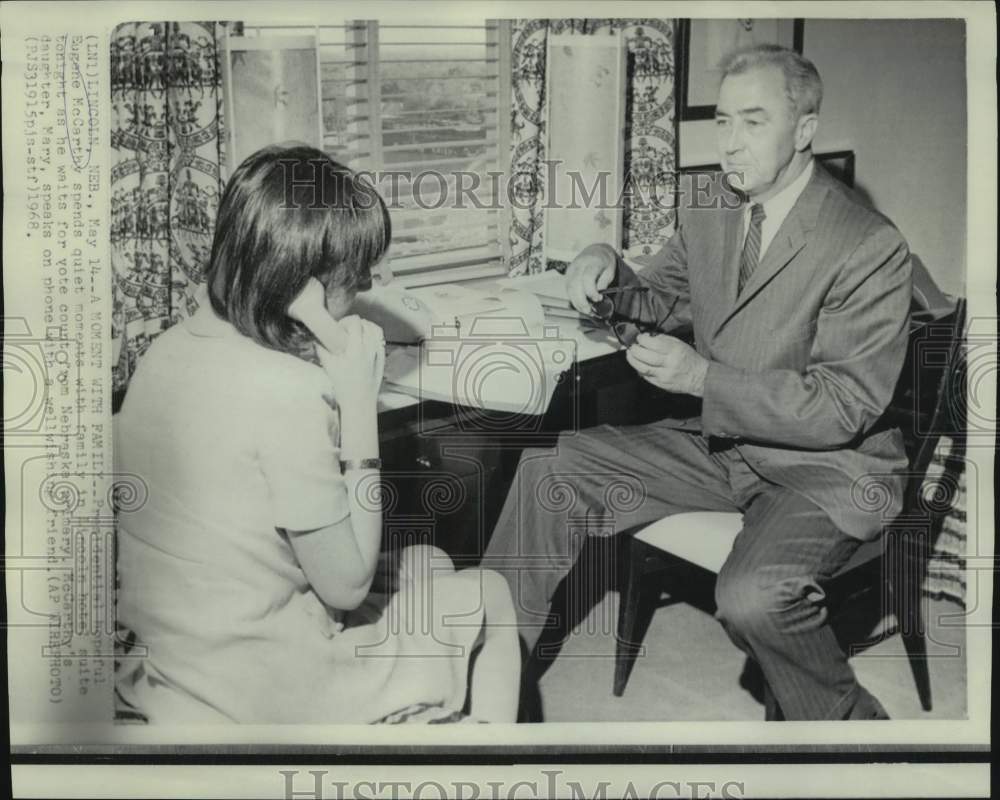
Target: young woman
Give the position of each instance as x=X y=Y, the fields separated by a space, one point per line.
x=247 y=574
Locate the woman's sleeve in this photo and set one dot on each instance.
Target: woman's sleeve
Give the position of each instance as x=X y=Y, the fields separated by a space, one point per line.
x=300 y=459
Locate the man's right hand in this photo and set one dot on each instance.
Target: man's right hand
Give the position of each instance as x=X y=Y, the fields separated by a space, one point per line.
x=590 y=272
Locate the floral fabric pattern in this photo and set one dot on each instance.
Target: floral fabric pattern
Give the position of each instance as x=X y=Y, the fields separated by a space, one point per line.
x=168 y=157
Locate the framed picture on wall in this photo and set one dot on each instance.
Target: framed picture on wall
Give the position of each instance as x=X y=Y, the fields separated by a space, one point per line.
x=840 y=164
x=705 y=42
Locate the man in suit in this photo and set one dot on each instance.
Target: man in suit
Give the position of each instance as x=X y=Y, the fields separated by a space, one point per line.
x=798 y=301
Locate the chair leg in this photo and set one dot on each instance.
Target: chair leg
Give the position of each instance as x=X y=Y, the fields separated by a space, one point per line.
x=630 y=593
x=916 y=652
x=905 y=578
x=772 y=711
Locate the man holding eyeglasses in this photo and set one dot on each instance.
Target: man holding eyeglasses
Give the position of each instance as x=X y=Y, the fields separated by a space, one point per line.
x=797 y=299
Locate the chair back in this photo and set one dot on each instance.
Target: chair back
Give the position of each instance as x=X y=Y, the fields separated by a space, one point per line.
x=933 y=399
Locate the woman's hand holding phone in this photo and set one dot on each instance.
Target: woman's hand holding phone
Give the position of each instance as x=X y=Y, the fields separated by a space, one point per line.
x=352 y=351
x=356 y=373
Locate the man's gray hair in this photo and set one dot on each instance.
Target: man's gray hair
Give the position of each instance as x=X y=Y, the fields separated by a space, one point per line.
x=802 y=82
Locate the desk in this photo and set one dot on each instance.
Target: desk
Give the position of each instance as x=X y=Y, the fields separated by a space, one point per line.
x=448 y=468
x=589 y=342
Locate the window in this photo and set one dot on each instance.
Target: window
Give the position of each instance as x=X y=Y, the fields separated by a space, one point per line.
x=417 y=108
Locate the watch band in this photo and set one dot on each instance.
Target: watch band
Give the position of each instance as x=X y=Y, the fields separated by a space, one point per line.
x=360 y=463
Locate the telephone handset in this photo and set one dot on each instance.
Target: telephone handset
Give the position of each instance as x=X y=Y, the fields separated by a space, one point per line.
x=309 y=308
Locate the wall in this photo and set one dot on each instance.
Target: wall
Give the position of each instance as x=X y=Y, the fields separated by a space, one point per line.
x=894 y=92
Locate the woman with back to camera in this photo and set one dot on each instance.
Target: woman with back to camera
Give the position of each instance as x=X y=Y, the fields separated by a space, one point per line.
x=247 y=575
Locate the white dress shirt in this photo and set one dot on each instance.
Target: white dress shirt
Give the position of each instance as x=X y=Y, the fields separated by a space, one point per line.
x=777 y=208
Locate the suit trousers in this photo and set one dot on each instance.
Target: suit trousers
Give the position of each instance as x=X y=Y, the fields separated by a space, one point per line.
x=770 y=593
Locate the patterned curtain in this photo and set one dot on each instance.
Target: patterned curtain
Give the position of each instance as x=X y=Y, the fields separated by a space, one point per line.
x=168 y=162
x=650 y=132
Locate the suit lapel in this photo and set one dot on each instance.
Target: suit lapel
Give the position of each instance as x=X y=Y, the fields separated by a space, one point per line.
x=787 y=242
x=789 y=239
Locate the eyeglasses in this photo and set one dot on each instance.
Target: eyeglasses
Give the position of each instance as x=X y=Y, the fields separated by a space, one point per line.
x=627 y=329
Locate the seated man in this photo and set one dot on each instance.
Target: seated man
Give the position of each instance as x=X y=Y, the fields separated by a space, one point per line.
x=797 y=296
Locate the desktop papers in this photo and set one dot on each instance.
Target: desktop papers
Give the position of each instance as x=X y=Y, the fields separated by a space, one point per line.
x=504 y=359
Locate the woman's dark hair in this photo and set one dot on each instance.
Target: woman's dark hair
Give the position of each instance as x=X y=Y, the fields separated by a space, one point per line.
x=288 y=214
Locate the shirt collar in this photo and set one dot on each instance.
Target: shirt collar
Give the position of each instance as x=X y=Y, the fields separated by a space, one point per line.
x=778 y=207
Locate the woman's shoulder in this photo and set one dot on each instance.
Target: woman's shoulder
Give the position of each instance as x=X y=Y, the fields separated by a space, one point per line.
x=289 y=374
x=282 y=382
x=219 y=353
x=271 y=373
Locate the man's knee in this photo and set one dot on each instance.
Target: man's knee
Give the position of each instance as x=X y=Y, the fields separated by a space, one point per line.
x=754 y=606
x=742 y=603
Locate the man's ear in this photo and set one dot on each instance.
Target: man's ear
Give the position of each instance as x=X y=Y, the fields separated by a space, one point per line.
x=805 y=131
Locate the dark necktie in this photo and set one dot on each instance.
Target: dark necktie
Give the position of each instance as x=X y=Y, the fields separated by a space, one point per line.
x=751 y=247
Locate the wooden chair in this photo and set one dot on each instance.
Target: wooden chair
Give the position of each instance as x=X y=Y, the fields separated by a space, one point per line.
x=705 y=538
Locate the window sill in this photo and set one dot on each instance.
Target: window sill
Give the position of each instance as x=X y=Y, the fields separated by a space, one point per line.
x=474 y=272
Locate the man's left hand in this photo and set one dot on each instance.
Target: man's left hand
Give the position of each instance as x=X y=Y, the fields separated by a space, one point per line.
x=668 y=363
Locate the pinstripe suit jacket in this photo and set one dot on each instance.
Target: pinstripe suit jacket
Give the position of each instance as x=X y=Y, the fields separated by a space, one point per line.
x=805 y=360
